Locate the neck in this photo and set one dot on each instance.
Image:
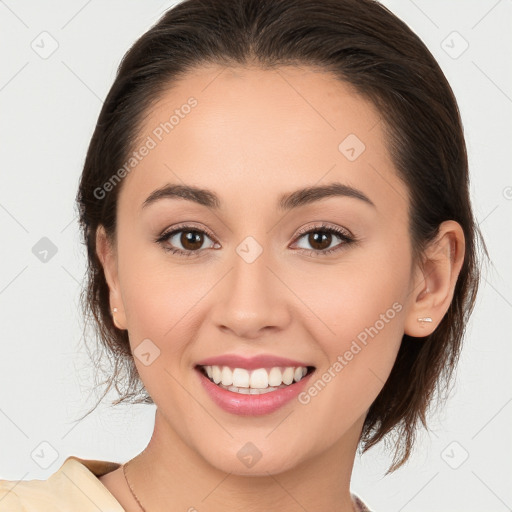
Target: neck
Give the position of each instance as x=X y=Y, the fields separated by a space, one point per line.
x=169 y=474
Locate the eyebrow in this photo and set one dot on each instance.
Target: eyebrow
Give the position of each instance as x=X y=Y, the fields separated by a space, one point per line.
x=286 y=201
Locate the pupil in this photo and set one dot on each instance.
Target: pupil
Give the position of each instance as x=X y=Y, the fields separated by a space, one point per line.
x=193 y=238
x=316 y=236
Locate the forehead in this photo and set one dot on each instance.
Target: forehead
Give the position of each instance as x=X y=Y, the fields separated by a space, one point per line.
x=236 y=130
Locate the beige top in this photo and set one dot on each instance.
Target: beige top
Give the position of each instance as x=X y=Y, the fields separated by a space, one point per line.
x=74 y=486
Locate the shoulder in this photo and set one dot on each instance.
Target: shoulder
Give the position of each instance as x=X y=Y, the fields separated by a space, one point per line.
x=75 y=486
x=9 y=500
x=23 y=496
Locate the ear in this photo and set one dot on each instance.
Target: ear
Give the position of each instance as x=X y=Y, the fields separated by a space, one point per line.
x=107 y=255
x=435 y=279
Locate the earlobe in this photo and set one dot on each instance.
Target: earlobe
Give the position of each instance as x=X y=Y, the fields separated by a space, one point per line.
x=107 y=256
x=435 y=280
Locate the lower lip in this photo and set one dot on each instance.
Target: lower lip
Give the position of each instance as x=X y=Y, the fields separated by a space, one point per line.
x=251 y=405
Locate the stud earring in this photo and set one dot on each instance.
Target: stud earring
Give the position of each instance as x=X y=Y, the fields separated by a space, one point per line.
x=424 y=320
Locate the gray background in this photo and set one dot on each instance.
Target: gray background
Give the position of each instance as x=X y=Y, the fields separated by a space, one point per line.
x=49 y=106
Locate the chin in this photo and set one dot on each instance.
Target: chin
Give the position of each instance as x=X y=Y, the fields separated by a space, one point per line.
x=249 y=460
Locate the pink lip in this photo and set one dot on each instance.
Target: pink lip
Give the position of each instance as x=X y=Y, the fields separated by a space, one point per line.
x=250 y=363
x=252 y=405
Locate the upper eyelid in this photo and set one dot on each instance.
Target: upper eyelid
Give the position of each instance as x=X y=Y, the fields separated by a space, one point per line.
x=300 y=232
x=325 y=226
x=184 y=227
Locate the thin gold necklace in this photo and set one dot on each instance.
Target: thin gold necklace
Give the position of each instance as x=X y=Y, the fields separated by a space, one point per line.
x=355 y=504
x=131 y=489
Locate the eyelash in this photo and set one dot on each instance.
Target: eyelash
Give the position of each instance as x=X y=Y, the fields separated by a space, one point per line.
x=346 y=237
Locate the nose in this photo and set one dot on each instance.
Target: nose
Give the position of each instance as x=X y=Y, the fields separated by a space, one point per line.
x=252 y=298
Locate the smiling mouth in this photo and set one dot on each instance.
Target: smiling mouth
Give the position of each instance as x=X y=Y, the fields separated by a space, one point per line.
x=257 y=381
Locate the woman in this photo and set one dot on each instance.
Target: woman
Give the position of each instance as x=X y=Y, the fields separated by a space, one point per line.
x=282 y=252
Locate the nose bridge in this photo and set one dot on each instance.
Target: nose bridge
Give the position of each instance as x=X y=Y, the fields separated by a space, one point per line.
x=250 y=280
x=251 y=298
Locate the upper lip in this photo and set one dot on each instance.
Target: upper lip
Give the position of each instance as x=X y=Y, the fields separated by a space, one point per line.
x=250 y=363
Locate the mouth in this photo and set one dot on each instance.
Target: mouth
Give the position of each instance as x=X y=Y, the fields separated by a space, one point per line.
x=256 y=381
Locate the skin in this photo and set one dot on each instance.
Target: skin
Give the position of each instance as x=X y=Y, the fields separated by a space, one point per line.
x=254 y=135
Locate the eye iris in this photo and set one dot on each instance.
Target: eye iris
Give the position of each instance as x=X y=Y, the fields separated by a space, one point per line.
x=316 y=235
x=195 y=238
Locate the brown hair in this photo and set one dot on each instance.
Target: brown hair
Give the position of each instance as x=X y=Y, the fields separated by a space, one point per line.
x=362 y=43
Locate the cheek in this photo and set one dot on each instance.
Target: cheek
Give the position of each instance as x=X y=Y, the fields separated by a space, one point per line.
x=164 y=303
x=358 y=324
x=359 y=360
x=363 y=292
x=156 y=293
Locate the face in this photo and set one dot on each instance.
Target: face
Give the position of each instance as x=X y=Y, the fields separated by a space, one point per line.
x=321 y=279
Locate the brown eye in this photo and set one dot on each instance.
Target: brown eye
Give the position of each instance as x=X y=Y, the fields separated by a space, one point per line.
x=186 y=241
x=321 y=238
x=191 y=240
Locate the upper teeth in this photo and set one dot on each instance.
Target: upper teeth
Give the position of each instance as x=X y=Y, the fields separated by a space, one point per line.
x=256 y=379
